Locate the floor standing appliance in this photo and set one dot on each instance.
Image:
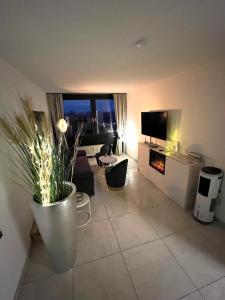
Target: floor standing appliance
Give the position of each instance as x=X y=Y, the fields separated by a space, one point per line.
x=210 y=179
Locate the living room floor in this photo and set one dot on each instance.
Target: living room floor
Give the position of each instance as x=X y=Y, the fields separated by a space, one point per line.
x=138 y=245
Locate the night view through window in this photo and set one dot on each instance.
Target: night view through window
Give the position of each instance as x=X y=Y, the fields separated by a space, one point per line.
x=98 y=116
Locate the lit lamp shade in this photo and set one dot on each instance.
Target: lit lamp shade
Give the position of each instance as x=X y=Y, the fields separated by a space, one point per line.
x=62 y=125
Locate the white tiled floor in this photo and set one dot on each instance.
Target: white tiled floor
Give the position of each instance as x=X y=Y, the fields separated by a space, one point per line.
x=139 y=245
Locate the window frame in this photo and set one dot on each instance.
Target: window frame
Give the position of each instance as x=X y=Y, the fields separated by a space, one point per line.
x=91 y=97
x=100 y=138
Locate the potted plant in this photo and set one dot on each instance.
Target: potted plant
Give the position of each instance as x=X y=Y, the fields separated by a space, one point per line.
x=46 y=172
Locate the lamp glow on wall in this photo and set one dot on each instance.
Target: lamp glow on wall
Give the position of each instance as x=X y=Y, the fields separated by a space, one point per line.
x=174 y=119
x=131 y=138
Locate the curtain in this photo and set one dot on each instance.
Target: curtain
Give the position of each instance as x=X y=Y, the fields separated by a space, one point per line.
x=55 y=106
x=120 y=102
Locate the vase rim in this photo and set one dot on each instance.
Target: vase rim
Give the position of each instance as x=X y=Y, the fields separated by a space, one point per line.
x=60 y=201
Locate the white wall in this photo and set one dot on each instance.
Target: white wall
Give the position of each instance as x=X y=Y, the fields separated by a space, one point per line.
x=200 y=94
x=15 y=213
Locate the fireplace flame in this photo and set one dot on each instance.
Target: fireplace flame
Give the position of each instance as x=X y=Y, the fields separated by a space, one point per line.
x=159 y=165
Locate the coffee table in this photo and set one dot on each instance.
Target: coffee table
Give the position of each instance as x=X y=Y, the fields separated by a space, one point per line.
x=83 y=200
x=108 y=159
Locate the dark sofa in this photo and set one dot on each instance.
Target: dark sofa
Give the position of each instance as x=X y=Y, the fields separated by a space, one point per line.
x=83 y=176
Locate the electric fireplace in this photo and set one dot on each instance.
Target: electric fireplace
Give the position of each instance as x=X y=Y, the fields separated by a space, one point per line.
x=157 y=161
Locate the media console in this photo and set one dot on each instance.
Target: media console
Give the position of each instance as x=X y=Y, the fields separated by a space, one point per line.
x=173 y=173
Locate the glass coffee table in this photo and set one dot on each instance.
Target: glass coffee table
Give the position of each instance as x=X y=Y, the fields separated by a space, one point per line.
x=83 y=207
x=107 y=159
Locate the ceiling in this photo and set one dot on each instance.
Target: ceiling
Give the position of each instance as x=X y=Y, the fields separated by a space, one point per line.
x=89 y=46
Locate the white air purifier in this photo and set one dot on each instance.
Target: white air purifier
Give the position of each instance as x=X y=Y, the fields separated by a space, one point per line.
x=210 y=179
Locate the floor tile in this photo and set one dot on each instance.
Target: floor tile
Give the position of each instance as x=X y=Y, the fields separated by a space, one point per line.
x=193 y=296
x=143 y=197
x=150 y=197
x=100 y=189
x=137 y=181
x=139 y=214
x=168 y=219
x=198 y=256
x=160 y=198
x=133 y=229
x=214 y=291
x=103 y=279
x=39 y=264
x=155 y=273
x=57 y=287
x=132 y=164
x=215 y=232
x=92 y=161
x=98 y=211
x=29 y=291
x=119 y=203
x=96 y=240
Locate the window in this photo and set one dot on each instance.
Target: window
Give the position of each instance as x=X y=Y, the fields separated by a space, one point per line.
x=105 y=115
x=95 y=111
x=79 y=110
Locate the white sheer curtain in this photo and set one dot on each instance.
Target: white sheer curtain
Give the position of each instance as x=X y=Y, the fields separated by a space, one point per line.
x=55 y=106
x=120 y=102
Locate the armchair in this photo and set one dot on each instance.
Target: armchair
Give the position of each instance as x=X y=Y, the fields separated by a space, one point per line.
x=116 y=175
x=105 y=149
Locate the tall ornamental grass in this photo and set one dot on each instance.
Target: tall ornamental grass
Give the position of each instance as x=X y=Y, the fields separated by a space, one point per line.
x=43 y=163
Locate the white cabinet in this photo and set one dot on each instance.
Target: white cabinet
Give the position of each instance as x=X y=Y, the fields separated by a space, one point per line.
x=180 y=179
x=143 y=161
x=176 y=183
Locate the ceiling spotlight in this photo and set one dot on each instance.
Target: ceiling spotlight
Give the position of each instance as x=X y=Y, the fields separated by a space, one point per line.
x=141 y=43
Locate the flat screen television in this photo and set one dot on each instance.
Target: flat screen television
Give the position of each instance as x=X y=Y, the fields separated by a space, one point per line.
x=154 y=124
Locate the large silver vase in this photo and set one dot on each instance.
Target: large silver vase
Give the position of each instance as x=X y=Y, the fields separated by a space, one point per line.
x=57 y=225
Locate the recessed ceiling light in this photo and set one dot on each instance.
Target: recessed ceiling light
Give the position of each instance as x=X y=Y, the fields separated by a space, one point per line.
x=141 y=43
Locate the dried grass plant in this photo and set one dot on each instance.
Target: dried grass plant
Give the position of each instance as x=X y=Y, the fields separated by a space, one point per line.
x=43 y=163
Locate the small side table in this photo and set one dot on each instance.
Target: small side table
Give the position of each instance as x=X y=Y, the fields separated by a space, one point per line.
x=83 y=201
x=108 y=159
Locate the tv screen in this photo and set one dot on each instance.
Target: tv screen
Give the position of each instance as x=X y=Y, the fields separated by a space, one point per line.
x=154 y=124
